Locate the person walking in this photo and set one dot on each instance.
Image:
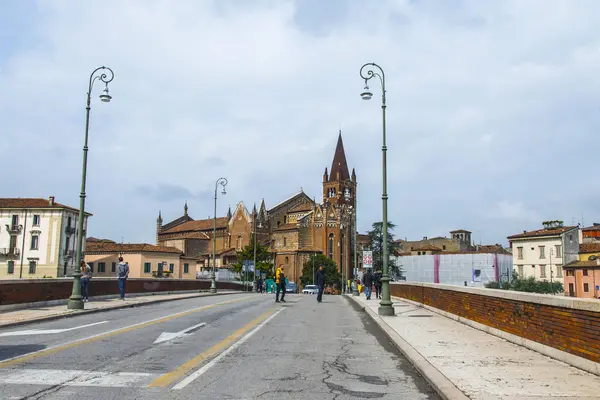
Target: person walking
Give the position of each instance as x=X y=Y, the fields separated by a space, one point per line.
x=377 y=282
x=259 y=285
x=368 y=282
x=320 y=283
x=86 y=275
x=122 y=275
x=280 y=284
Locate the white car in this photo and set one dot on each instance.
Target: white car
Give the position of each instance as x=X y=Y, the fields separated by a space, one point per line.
x=310 y=289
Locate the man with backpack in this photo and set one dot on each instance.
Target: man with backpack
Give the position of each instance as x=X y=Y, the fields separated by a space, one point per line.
x=368 y=282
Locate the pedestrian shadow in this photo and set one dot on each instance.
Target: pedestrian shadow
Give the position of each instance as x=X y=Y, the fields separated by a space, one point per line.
x=17 y=350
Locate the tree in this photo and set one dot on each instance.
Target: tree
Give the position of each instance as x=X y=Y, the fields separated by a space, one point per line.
x=530 y=285
x=376 y=245
x=264 y=260
x=330 y=269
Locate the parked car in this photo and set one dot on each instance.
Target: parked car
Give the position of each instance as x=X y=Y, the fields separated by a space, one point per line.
x=291 y=287
x=310 y=289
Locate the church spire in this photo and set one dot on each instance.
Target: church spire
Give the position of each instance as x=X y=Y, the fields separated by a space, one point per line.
x=229 y=213
x=339 y=166
x=185 y=209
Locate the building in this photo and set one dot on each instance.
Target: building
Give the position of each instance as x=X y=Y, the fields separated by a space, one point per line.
x=293 y=229
x=591 y=233
x=37 y=238
x=582 y=278
x=589 y=251
x=460 y=240
x=145 y=260
x=541 y=253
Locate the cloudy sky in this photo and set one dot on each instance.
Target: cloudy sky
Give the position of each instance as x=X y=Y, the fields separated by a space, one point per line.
x=493 y=108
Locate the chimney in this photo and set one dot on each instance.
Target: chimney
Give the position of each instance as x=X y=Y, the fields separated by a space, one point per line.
x=51 y=201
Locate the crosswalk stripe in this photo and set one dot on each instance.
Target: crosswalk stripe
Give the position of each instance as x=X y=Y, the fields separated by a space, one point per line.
x=53 y=377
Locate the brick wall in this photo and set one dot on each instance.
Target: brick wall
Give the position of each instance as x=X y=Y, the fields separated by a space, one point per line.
x=567 y=324
x=15 y=292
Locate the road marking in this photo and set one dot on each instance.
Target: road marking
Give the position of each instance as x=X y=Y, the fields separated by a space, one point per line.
x=178 y=373
x=48 y=331
x=218 y=358
x=53 y=350
x=166 y=336
x=53 y=377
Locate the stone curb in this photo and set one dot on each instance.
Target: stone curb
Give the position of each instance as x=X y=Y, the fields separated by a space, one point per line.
x=438 y=381
x=97 y=310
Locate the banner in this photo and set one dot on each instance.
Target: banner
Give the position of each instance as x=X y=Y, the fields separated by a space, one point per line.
x=367 y=259
x=247 y=266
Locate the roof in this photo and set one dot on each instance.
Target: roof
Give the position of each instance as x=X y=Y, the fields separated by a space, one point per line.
x=181 y=220
x=361 y=237
x=22 y=203
x=302 y=207
x=461 y=231
x=595 y=227
x=491 y=248
x=294 y=196
x=585 y=264
x=185 y=235
x=286 y=227
x=339 y=164
x=542 y=232
x=589 y=247
x=426 y=247
x=112 y=247
x=198 y=225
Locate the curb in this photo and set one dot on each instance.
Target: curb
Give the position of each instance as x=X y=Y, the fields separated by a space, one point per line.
x=438 y=381
x=97 y=310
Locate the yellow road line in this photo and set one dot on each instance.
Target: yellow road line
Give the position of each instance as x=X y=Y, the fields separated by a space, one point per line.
x=62 y=347
x=178 y=373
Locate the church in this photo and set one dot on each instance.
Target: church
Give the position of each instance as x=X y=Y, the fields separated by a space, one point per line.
x=293 y=229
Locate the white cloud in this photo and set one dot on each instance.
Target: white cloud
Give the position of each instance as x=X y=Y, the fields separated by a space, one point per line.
x=486 y=101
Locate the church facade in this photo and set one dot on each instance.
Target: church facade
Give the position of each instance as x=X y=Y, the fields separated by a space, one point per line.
x=293 y=229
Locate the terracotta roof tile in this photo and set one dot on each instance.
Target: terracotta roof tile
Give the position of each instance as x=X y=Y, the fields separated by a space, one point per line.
x=589 y=247
x=542 y=232
x=286 y=227
x=199 y=225
x=108 y=247
x=580 y=264
x=33 y=203
x=595 y=227
x=301 y=207
x=426 y=247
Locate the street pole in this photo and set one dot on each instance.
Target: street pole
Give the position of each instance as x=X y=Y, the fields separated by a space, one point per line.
x=213 y=279
x=76 y=301
x=551 y=280
x=385 y=306
x=254 y=226
x=355 y=289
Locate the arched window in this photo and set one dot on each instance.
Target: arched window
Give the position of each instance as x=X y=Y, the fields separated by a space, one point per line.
x=285 y=219
x=284 y=242
x=287 y=261
x=331 y=246
x=239 y=242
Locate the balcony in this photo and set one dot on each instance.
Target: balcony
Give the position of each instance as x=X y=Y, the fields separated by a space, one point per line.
x=69 y=253
x=14 y=229
x=9 y=251
x=69 y=230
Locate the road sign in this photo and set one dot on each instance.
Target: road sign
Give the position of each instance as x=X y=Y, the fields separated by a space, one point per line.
x=367 y=259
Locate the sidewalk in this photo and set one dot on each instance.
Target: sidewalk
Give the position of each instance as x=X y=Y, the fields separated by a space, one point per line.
x=46 y=313
x=461 y=362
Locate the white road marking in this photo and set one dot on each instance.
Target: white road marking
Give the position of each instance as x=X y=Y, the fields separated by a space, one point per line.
x=196 y=374
x=166 y=336
x=48 y=331
x=53 y=377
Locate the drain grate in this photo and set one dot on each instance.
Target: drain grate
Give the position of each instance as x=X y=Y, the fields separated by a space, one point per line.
x=420 y=315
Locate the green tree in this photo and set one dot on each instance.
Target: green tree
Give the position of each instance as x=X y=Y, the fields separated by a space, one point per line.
x=376 y=245
x=530 y=285
x=264 y=259
x=330 y=269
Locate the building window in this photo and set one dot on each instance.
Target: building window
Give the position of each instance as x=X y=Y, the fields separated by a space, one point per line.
x=160 y=268
x=520 y=253
x=542 y=271
x=11 y=267
x=186 y=268
x=558 y=250
x=113 y=267
x=443 y=247
x=559 y=271
x=101 y=267
x=147 y=268
x=542 y=251
x=520 y=271
x=284 y=241
x=36 y=220
x=287 y=261
x=285 y=219
x=32 y=265
x=586 y=287
x=585 y=272
x=570 y=273
x=14 y=221
x=35 y=239
x=91 y=266
x=171 y=268
x=331 y=246
x=239 y=242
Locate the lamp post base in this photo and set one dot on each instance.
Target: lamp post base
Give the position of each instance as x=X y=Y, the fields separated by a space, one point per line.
x=213 y=284
x=386 y=310
x=75 y=303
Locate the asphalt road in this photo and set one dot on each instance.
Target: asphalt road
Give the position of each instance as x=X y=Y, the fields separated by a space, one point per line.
x=228 y=347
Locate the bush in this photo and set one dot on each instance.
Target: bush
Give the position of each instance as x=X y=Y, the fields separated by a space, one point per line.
x=529 y=285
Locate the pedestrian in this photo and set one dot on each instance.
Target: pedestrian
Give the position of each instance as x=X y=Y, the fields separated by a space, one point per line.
x=320 y=283
x=86 y=275
x=368 y=282
x=280 y=284
x=122 y=275
x=259 y=285
x=377 y=281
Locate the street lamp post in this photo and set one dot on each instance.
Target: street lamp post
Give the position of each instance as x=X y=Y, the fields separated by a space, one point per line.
x=366 y=73
x=213 y=280
x=75 y=301
x=355 y=271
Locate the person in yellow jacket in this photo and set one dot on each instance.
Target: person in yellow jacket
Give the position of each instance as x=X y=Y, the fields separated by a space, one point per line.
x=280 y=284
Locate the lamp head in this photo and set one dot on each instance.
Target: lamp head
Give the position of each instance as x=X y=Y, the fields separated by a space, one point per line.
x=105 y=97
x=367 y=94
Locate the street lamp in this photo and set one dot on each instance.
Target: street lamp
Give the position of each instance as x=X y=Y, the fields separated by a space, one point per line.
x=213 y=281
x=259 y=226
x=76 y=301
x=385 y=306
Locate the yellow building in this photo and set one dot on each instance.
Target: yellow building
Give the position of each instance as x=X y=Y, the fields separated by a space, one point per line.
x=588 y=249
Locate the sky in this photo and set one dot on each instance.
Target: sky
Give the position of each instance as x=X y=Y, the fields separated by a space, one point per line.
x=493 y=108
